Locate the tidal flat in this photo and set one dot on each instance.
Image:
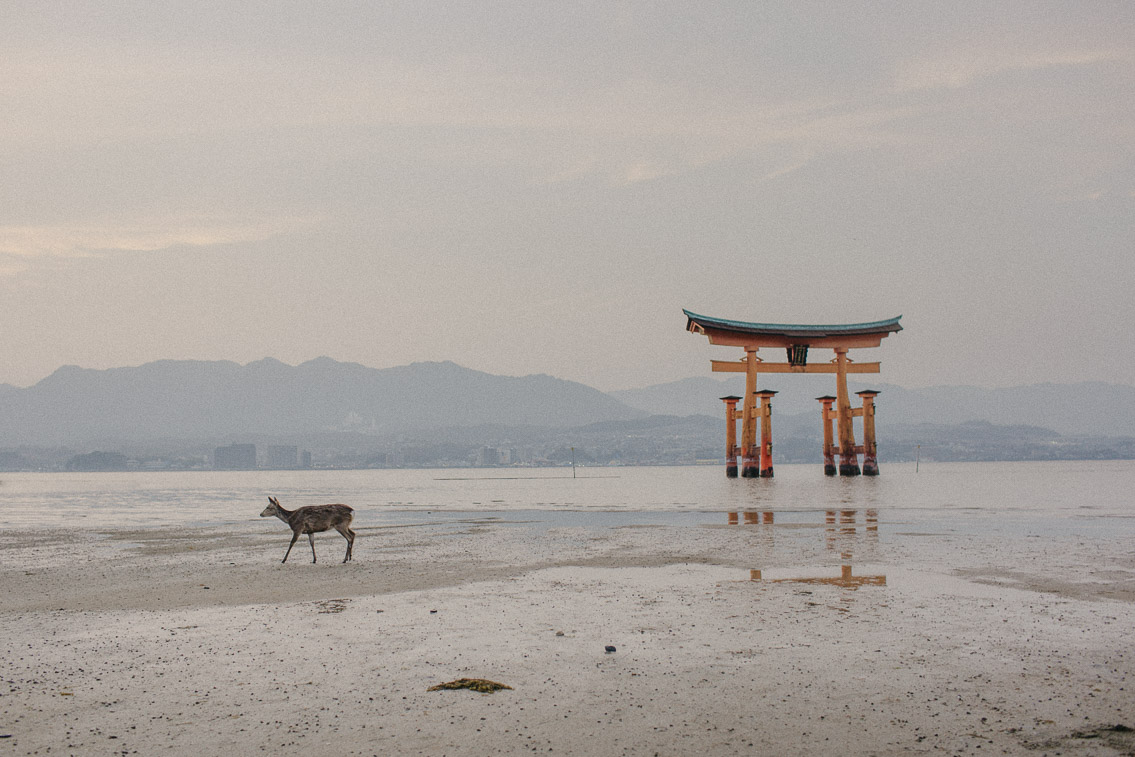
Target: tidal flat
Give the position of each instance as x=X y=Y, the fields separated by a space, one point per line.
x=855 y=629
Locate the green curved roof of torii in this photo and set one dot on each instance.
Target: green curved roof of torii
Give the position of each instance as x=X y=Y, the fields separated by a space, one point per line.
x=793 y=329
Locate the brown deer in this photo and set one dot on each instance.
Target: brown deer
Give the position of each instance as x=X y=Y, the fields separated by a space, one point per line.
x=311 y=520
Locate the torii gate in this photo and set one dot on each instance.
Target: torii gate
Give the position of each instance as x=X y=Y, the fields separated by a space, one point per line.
x=795 y=339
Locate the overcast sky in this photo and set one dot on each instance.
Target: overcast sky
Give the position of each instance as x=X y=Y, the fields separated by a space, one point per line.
x=539 y=187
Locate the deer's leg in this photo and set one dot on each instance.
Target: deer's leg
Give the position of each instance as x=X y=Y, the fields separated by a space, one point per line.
x=295 y=535
x=311 y=538
x=349 y=535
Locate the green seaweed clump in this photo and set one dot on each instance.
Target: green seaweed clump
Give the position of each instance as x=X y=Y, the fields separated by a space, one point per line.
x=482 y=685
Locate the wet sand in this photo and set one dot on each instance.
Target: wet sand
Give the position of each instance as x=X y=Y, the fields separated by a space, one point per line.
x=198 y=641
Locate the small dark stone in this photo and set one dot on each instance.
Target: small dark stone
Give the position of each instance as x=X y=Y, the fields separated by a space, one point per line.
x=433 y=612
x=608 y=649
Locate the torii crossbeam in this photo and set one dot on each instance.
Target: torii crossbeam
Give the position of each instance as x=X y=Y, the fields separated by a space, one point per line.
x=796 y=340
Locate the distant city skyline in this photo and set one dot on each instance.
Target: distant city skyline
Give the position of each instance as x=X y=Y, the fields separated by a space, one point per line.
x=536 y=188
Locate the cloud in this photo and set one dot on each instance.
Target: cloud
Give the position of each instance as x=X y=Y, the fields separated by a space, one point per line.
x=102 y=95
x=961 y=68
x=644 y=171
x=787 y=169
x=75 y=241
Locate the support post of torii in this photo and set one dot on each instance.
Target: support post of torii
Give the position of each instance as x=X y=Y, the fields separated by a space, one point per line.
x=730 y=435
x=797 y=340
x=750 y=461
x=870 y=463
x=765 y=411
x=848 y=458
x=827 y=415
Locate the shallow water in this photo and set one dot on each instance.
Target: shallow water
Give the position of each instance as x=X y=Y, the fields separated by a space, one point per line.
x=1017 y=498
x=964 y=606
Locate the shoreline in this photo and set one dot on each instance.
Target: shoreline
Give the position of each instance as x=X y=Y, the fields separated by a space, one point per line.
x=197 y=640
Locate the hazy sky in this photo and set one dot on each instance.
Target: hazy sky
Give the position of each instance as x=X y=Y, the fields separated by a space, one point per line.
x=537 y=187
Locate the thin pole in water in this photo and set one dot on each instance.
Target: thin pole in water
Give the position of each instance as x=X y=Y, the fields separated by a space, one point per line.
x=917 y=456
x=573 y=462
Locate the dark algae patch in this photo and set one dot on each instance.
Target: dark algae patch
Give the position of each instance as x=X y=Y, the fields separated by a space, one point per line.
x=1118 y=738
x=483 y=685
x=1103 y=732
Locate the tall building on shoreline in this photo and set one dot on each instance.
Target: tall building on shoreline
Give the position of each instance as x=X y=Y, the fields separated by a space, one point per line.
x=281 y=457
x=236 y=457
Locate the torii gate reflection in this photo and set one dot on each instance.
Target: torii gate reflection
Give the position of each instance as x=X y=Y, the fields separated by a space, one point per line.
x=840 y=532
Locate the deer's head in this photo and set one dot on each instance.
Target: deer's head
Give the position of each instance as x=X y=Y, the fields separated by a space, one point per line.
x=273 y=508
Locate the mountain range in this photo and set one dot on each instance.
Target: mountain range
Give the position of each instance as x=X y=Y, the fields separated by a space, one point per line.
x=188 y=399
x=214 y=400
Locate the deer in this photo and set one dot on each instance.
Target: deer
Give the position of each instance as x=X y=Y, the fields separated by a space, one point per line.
x=311 y=520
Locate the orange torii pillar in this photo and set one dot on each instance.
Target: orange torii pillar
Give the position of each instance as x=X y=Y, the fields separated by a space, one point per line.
x=765 y=411
x=750 y=456
x=827 y=415
x=848 y=454
x=870 y=462
x=731 y=435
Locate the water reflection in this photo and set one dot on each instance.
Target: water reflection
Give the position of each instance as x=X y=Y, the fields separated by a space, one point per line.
x=844 y=531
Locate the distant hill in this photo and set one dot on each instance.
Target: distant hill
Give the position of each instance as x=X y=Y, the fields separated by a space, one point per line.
x=207 y=400
x=442 y=413
x=1089 y=408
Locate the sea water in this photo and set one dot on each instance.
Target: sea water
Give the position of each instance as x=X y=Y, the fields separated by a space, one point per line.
x=1091 y=496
